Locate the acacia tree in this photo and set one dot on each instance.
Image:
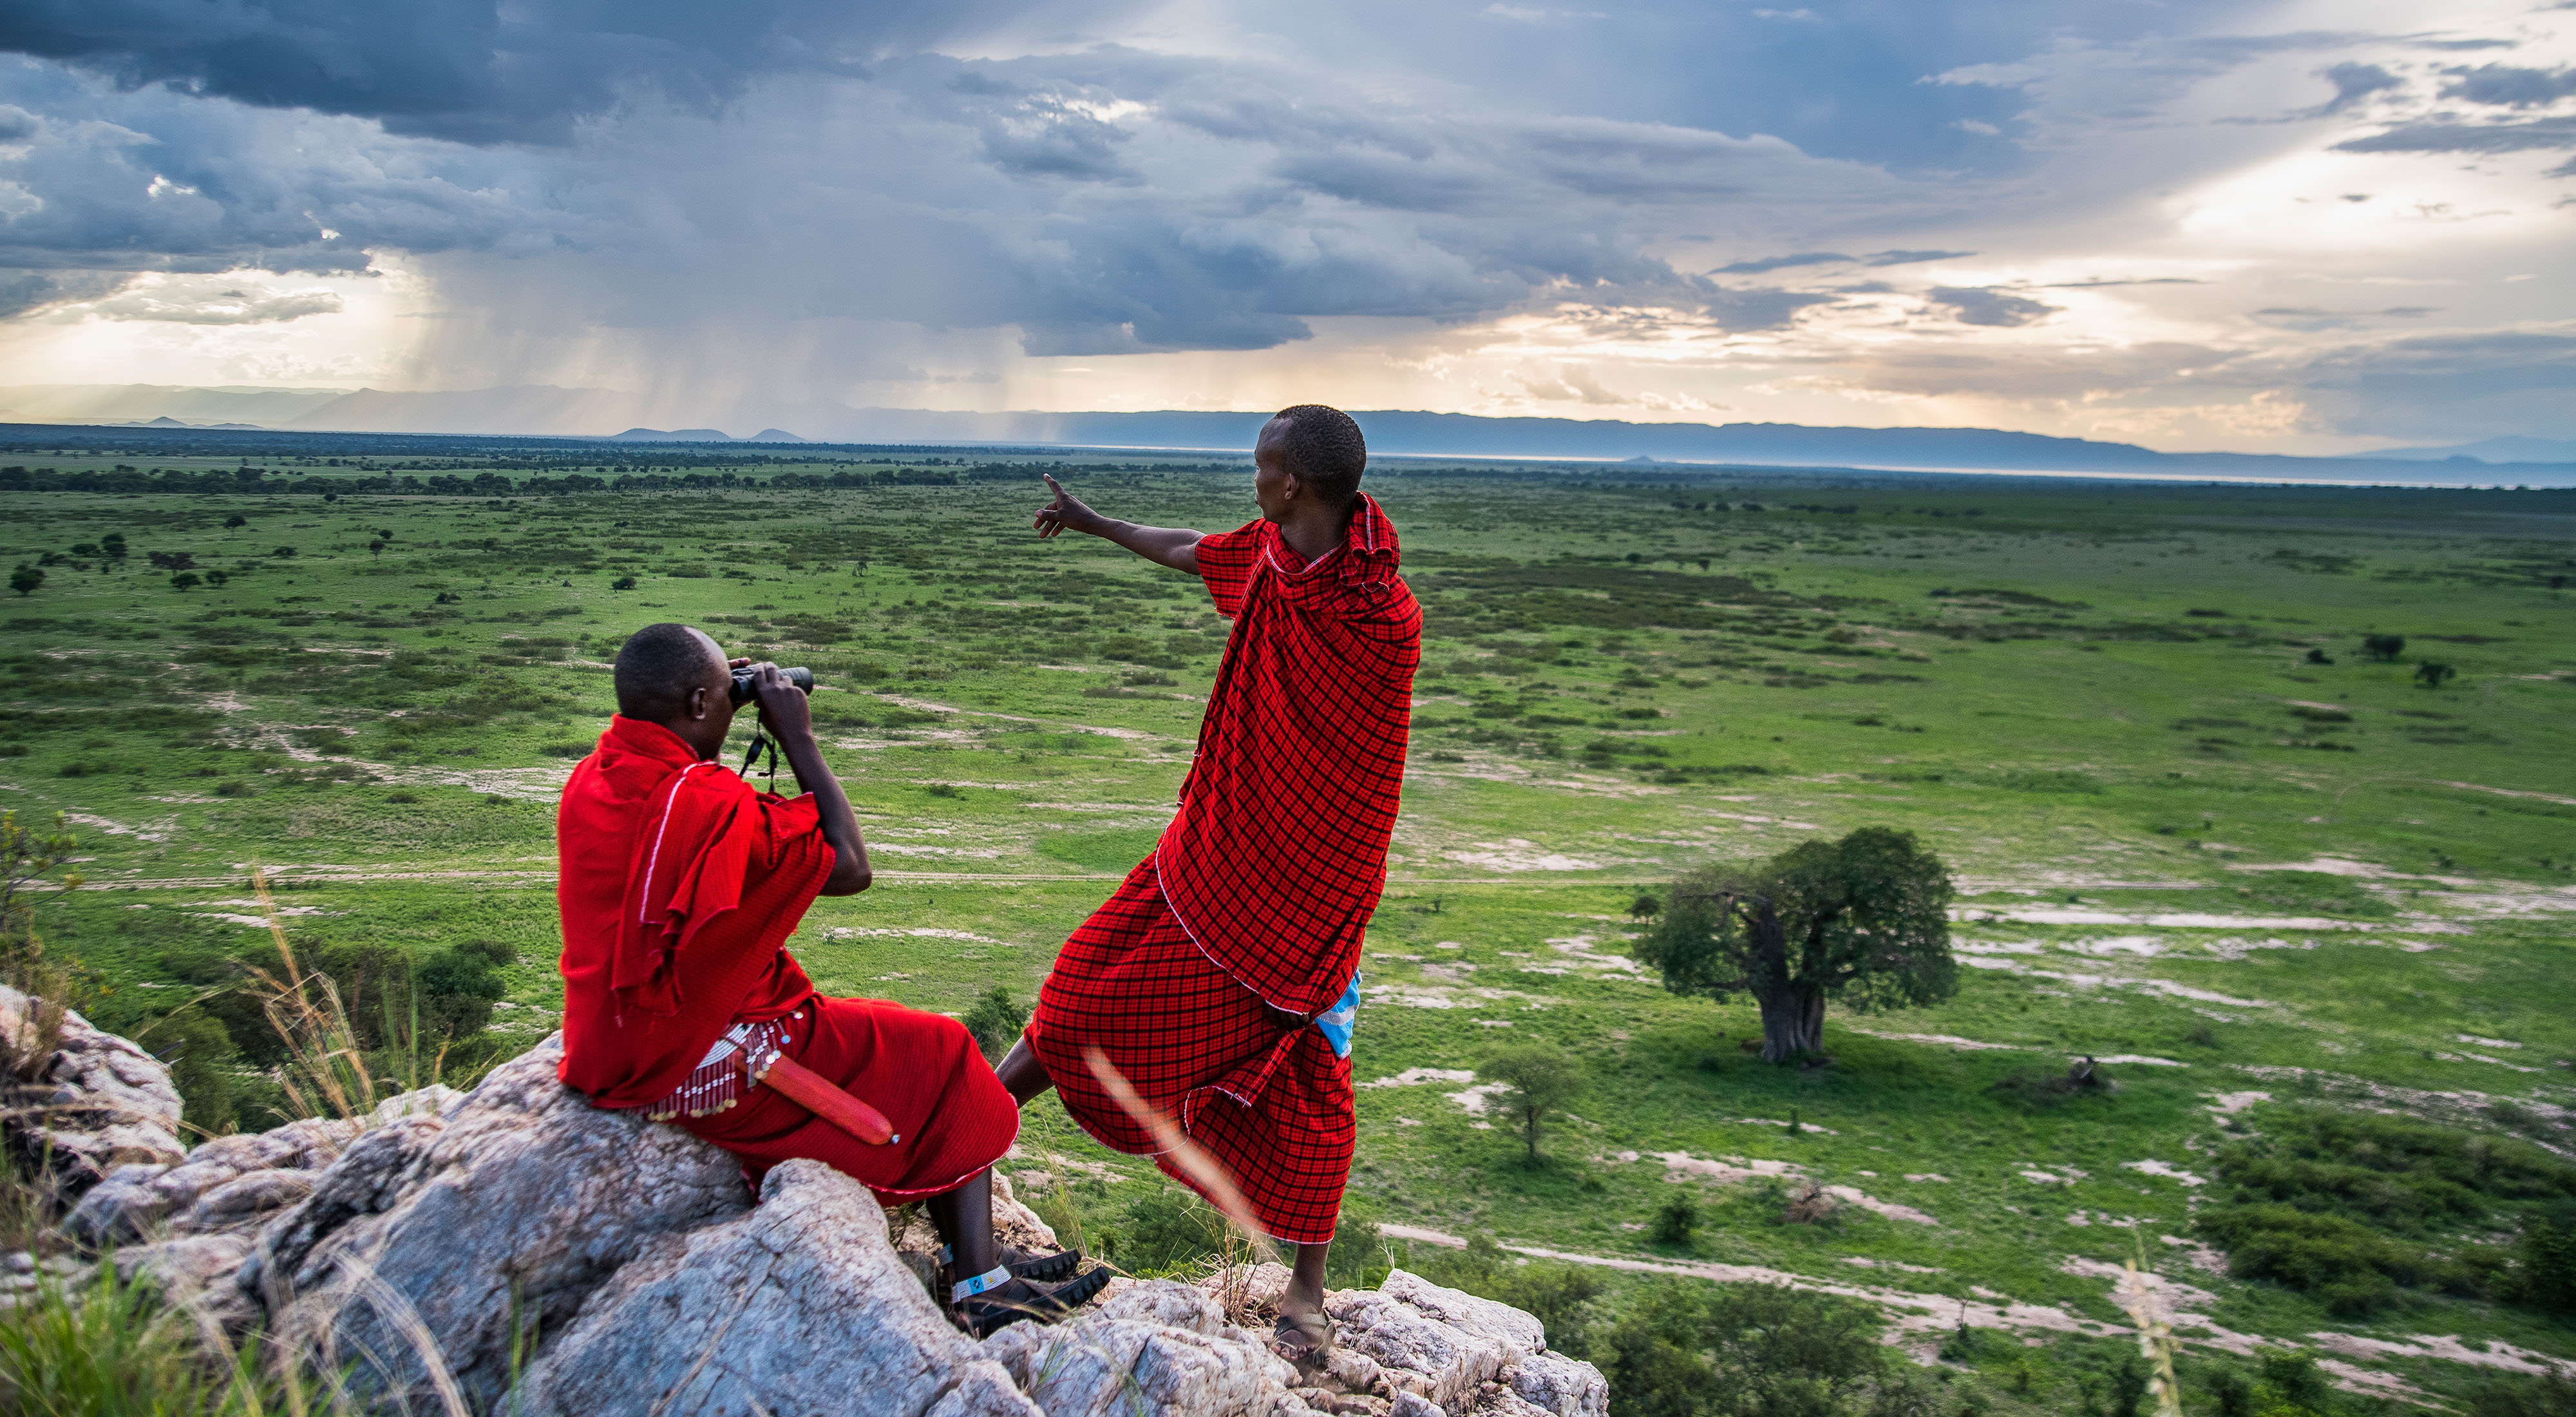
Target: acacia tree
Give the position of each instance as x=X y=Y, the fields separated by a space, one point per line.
x=1864 y=919
x=1542 y=1080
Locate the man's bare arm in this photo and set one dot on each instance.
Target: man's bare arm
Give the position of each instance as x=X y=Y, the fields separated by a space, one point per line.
x=1176 y=547
x=790 y=720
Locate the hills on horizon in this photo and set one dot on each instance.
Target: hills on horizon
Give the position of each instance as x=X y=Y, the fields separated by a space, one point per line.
x=548 y=411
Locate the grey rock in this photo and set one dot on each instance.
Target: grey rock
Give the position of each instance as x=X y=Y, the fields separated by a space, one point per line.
x=195 y=1271
x=97 y=1102
x=315 y=1142
x=515 y=1249
x=1160 y=1348
x=181 y=1185
x=248 y=1151
x=1503 y=1402
x=798 y=1307
x=1466 y=1312
x=1568 y=1387
x=247 y=1197
x=434 y=1234
x=1428 y=1357
x=116 y=1212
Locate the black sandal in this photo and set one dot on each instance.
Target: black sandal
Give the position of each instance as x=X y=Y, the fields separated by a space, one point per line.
x=988 y=1312
x=1048 y=1268
x=1025 y=1264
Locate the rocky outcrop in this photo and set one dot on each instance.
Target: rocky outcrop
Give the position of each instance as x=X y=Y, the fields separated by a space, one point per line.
x=800 y=1305
x=480 y=1231
x=86 y=1102
x=516 y=1250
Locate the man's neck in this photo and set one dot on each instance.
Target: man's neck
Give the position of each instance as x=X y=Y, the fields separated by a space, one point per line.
x=1316 y=530
x=690 y=733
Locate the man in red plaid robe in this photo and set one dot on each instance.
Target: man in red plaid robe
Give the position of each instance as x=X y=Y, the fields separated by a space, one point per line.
x=1222 y=977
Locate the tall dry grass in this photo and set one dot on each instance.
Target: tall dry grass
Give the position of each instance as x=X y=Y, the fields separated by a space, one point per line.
x=98 y=1343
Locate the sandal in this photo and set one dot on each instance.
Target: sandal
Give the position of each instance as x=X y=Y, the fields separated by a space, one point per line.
x=983 y=1313
x=1302 y=1339
x=1025 y=1264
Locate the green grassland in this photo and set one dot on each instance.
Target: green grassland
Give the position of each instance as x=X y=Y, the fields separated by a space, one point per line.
x=2243 y=880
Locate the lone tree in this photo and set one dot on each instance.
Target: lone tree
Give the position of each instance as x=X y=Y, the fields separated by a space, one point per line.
x=25 y=579
x=1865 y=918
x=2433 y=674
x=2384 y=648
x=1542 y=1080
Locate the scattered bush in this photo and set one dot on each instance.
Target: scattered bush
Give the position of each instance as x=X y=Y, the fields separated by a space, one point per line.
x=2342 y=1205
x=2040 y=1088
x=2384 y=648
x=2545 y=1261
x=1675 y=1221
x=1542 y=1080
x=1745 y=1350
x=995 y=1021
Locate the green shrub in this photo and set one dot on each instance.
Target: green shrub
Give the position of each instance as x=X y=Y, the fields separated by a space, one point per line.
x=203 y=1066
x=1742 y=1350
x=2545 y=1261
x=2547 y=1395
x=1675 y=1220
x=995 y=1021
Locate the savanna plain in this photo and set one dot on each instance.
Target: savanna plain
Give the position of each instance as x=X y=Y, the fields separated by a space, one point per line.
x=2259 y=804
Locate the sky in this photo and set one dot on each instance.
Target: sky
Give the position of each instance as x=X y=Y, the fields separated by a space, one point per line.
x=2289 y=227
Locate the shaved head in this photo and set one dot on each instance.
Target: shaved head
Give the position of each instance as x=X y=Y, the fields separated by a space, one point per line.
x=1324 y=448
x=658 y=667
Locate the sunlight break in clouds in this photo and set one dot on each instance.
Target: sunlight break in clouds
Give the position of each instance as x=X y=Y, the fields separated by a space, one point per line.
x=2289 y=227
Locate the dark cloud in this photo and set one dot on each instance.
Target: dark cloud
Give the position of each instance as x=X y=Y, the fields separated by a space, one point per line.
x=2504 y=86
x=2444 y=136
x=1975 y=305
x=2354 y=82
x=2312 y=318
x=1776 y=263
x=478 y=71
x=1908 y=258
x=22 y=291
x=2436 y=388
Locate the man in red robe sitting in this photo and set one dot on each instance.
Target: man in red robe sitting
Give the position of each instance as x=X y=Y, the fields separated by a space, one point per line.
x=679 y=886
x=1222 y=978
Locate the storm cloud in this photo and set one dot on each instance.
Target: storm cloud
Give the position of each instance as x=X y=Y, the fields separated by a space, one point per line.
x=1668 y=208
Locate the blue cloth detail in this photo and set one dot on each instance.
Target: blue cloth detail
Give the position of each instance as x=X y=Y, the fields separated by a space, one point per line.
x=1337 y=1022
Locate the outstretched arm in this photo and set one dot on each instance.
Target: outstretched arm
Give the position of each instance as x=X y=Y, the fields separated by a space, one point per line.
x=1176 y=547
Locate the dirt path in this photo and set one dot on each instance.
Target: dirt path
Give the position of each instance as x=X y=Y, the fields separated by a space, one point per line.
x=1914 y=1313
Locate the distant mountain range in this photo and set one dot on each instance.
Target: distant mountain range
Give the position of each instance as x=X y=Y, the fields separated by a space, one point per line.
x=2492 y=450
x=544 y=410
x=703 y=435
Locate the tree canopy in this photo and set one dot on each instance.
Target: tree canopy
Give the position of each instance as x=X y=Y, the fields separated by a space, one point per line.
x=1541 y=1079
x=1864 y=920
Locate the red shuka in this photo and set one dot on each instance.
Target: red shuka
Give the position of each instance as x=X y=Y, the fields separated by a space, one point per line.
x=1262 y=887
x=1276 y=859
x=679 y=883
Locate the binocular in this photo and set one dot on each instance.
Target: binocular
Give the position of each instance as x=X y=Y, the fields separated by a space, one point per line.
x=744 y=693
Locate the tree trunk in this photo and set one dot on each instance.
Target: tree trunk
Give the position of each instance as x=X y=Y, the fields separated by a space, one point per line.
x=1793 y=1022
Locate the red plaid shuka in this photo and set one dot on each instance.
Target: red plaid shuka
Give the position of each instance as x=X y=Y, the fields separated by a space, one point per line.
x=679 y=886
x=1262 y=887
